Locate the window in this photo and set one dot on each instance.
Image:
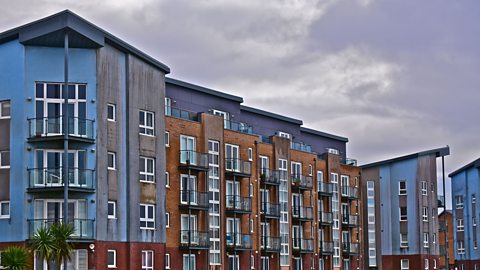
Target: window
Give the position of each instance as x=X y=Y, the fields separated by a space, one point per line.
x=146 y=123
x=283 y=134
x=112 y=210
x=474 y=221
x=434 y=263
x=250 y=191
x=167 y=261
x=189 y=264
x=310 y=170
x=425 y=214
x=111 y=112
x=404 y=240
x=168 y=106
x=112 y=163
x=147 y=216
x=167 y=139
x=251 y=225
x=402 y=187
x=460 y=226
x=4 y=109
x=4 y=159
x=112 y=258
x=147 y=260
x=167 y=179
x=426 y=264
x=403 y=213
x=434 y=238
x=147 y=170
x=250 y=154
x=460 y=248
x=425 y=240
x=404 y=264
x=167 y=220
x=5 y=209
x=459 y=202
x=474 y=199
x=424 y=188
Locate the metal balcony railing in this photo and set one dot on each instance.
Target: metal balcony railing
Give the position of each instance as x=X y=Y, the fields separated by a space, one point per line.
x=302 y=245
x=194 y=199
x=351 y=248
x=193 y=160
x=350 y=161
x=349 y=192
x=325 y=218
x=238 y=241
x=270 y=244
x=238 y=126
x=301 y=146
x=302 y=213
x=181 y=114
x=53 y=178
x=326 y=247
x=301 y=181
x=41 y=128
x=270 y=177
x=83 y=228
x=238 y=167
x=235 y=203
x=325 y=189
x=350 y=220
x=191 y=239
x=270 y=210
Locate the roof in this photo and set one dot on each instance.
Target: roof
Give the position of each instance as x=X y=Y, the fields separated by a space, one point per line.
x=438 y=152
x=323 y=134
x=50 y=32
x=203 y=89
x=271 y=115
x=473 y=164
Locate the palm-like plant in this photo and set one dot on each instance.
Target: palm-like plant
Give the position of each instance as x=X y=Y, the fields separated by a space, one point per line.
x=15 y=258
x=43 y=244
x=61 y=233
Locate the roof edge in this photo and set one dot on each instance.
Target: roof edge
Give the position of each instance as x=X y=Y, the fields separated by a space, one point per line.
x=203 y=89
x=272 y=115
x=323 y=134
x=474 y=164
x=439 y=152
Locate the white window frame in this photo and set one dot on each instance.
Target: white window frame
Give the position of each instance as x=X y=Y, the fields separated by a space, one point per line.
x=114 y=265
x=405 y=217
x=167 y=261
x=147 y=219
x=114 y=109
x=251 y=225
x=460 y=247
x=145 y=174
x=434 y=238
x=425 y=214
x=1 y=161
x=3 y=215
x=424 y=188
x=167 y=220
x=252 y=262
x=434 y=263
x=189 y=259
x=114 y=216
x=145 y=126
x=167 y=139
x=146 y=266
x=284 y=134
x=402 y=267
x=460 y=225
x=250 y=154
x=403 y=244
x=459 y=202
x=167 y=179
x=2 y=116
x=425 y=262
x=114 y=161
x=310 y=170
x=425 y=240
x=401 y=191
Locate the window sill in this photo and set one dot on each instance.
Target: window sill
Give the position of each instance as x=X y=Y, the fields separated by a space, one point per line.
x=147 y=182
x=147 y=135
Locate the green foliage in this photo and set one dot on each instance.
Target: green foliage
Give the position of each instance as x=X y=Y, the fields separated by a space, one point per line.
x=15 y=258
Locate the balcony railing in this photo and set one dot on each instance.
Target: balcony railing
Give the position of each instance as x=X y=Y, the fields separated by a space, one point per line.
x=302 y=213
x=191 y=239
x=182 y=114
x=49 y=127
x=351 y=248
x=326 y=247
x=235 y=203
x=350 y=161
x=83 y=228
x=325 y=189
x=53 y=178
x=238 y=167
x=350 y=220
x=325 y=218
x=301 y=181
x=302 y=245
x=301 y=146
x=194 y=199
x=270 y=177
x=238 y=126
x=350 y=192
x=238 y=241
x=193 y=160
x=441 y=201
x=270 y=210
x=270 y=244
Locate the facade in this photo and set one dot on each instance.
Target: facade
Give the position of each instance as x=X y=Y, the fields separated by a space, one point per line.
x=445 y=221
x=400 y=209
x=465 y=188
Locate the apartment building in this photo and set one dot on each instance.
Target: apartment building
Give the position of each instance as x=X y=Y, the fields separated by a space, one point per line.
x=465 y=188
x=109 y=146
x=445 y=230
x=401 y=211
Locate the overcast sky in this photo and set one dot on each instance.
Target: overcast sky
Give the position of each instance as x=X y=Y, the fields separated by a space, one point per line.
x=394 y=76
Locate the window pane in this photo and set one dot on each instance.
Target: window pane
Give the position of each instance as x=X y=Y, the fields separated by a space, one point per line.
x=82 y=91
x=5 y=109
x=53 y=91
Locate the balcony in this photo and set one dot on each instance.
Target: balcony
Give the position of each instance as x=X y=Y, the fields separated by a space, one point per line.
x=52 y=179
x=325 y=189
x=350 y=193
x=350 y=249
x=238 y=126
x=302 y=245
x=350 y=220
x=194 y=200
x=441 y=201
x=301 y=181
x=181 y=114
x=325 y=218
x=326 y=248
x=350 y=161
x=302 y=213
x=83 y=228
x=191 y=160
x=270 y=244
x=301 y=147
x=238 y=241
x=52 y=129
x=237 y=204
x=270 y=177
x=238 y=167
x=270 y=210
x=190 y=239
